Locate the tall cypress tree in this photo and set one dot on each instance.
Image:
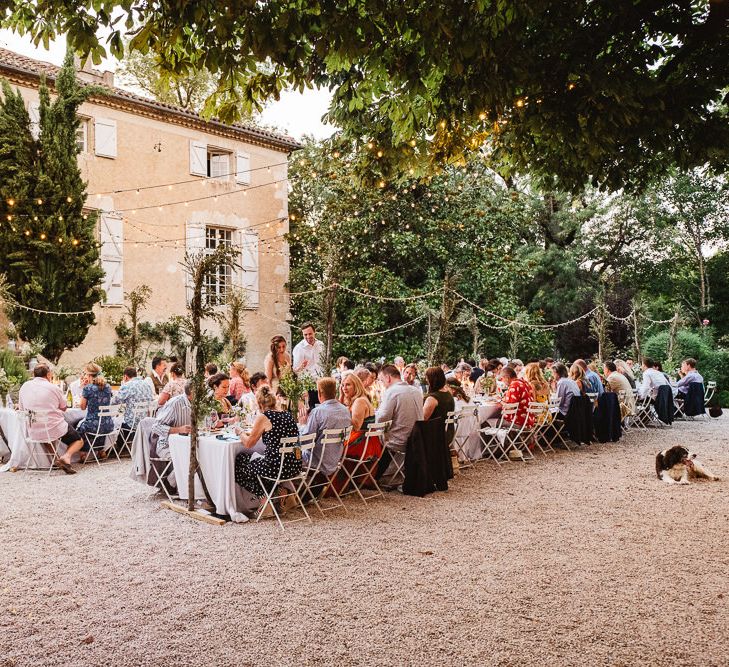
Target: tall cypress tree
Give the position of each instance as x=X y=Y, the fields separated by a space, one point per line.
x=48 y=238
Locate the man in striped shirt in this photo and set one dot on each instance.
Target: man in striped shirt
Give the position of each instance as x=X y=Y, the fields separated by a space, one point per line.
x=173 y=417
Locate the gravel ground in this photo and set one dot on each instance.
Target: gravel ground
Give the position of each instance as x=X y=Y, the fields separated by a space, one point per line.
x=580 y=559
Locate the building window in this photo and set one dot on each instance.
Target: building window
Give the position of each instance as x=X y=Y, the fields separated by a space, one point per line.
x=82 y=135
x=218 y=164
x=219 y=281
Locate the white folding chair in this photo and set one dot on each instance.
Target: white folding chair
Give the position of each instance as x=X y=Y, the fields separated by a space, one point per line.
x=553 y=432
x=301 y=447
x=460 y=440
x=360 y=470
x=540 y=412
x=644 y=416
x=38 y=421
x=108 y=439
x=139 y=410
x=316 y=484
x=494 y=438
x=709 y=392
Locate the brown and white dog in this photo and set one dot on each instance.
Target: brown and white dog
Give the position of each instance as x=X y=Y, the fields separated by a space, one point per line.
x=677 y=465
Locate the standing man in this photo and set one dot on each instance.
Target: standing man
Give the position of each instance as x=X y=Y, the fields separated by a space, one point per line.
x=403 y=406
x=307 y=358
x=158 y=378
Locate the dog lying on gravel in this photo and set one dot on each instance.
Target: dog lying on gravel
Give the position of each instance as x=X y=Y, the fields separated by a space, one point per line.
x=677 y=465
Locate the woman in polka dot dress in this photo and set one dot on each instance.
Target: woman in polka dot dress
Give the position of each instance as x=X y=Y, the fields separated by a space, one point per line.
x=272 y=424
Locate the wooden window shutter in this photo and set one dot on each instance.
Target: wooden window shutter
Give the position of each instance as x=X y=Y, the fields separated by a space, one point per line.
x=198 y=158
x=112 y=258
x=105 y=137
x=242 y=168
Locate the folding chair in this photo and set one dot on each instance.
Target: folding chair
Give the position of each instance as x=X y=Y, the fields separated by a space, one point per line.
x=315 y=483
x=299 y=446
x=161 y=468
x=554 y=428
x=709 y=393
x=540 y=412
x=460 y=440
x=139 y=410
x=494 y=438
x=360 y=470
x=92 y=438
x=39 y=420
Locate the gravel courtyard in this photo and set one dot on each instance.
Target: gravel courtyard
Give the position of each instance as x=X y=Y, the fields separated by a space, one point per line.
x=583 y=558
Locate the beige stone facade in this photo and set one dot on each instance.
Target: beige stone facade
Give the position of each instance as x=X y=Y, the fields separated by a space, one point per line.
x=211 y=183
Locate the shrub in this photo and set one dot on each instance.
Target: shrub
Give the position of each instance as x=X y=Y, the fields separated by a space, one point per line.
x=113 y=367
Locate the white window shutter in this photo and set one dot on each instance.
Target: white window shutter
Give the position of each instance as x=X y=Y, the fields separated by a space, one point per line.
x=242 y=168
x=198 y=158
x=194 y=244
x=34 y=113
x=105 y=137
x=112 y=258
x=249 y=267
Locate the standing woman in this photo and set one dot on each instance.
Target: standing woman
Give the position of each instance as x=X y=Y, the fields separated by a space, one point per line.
x=96 y=394
x=277 y=360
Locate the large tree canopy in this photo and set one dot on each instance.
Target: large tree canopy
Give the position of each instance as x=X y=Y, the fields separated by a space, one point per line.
x=606 y=89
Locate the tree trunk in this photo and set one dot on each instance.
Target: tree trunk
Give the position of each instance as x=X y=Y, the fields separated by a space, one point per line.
x=330 y=301
x=636 y=332
x=445 y=329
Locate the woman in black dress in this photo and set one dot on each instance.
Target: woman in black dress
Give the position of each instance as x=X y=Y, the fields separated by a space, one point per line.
x=271 y=425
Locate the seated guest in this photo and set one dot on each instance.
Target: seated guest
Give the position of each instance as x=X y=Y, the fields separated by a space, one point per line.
x=399 y=363
x=625 y=370
x=272 y=424
x=577 y=374
x=673 y=385
x=365 y=376
x=535 y=377
x=355 y=398
x=548 y=362
x=486 y=384
x=566 y=389
x=210 y=370
x=592 y=381
x=174 y=417
x=617 y=382
x=517 y=365
x=258 y=380
x=134 y=391
x=688 y=375
x=410 y=375
x=438 y=401
x=460 y=398
x=96 y=393
x=518 y=391
x=220 y=386
x=402 y=405
x=157 y=379
x=652 y=379
x=239 y=381
x=175 y=386
x=328 y=414
x=478 y=369
x=462 y=373
x=40 y=394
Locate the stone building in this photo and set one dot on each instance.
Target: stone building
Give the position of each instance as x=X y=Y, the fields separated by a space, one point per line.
x=164 y=180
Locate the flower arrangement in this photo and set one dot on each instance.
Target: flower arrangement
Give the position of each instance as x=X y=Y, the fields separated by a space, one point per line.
x=8 y=382
x=294 y=386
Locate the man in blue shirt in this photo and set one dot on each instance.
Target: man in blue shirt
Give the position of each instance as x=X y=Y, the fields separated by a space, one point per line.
x=329 y=414
x=134 y=392
x=689 y=374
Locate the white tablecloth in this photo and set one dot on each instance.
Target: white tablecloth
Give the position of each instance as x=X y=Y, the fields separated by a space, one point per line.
x=217 y=462
x=13 y=427
x=469 y=427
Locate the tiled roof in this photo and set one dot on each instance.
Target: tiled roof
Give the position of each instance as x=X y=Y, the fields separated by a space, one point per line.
x=11 y=61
